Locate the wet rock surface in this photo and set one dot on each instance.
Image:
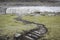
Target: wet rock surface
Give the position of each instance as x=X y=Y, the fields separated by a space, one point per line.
x=33 y=34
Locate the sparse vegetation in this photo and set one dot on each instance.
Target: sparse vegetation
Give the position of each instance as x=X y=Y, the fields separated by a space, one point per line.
x=51 y=22
x=9 y=26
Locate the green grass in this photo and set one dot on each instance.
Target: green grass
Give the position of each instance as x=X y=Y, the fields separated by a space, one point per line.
x=51 y=22
x=9 y=26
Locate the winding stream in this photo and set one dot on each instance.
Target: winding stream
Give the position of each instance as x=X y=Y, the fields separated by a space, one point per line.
x=33 y=34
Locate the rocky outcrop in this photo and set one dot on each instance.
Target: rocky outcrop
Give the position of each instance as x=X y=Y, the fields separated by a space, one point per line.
x=2 y=10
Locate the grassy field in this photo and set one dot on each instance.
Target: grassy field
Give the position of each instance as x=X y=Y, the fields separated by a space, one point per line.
x=9 y=26
x=51 y=22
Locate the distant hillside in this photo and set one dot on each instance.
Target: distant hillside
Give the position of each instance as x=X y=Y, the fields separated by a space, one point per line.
x=28 y=0
x=29 y=3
